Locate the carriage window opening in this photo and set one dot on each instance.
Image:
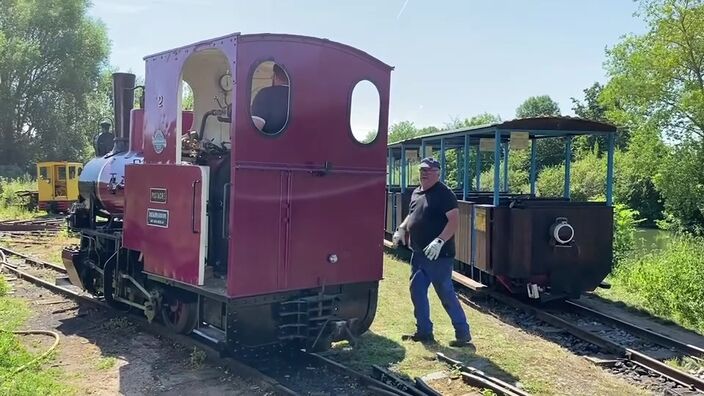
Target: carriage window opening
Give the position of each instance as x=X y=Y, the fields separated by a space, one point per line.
x=43 y=173
x=79 y=170
x=270 y=100
x=365 y=112
x=72 y=172
x=62 y=173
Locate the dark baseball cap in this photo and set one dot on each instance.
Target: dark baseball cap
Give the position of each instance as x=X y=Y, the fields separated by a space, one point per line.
x=429 y=162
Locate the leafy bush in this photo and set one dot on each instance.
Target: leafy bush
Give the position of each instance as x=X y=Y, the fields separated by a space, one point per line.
x=13 y=206
x=681 y=182
x=587 y=178
x=667 y=283
x=634 y=184
x=10 y=187
x=624 y=232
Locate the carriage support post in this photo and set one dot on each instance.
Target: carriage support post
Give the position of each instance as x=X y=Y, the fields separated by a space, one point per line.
x=533 y=144
x=610 y=171
x=497 y=163
x=568 y=165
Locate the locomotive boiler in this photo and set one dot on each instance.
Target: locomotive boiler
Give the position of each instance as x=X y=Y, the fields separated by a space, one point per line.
x=224 y=219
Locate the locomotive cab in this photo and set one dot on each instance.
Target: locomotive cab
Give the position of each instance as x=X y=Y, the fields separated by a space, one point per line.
x=224 y=219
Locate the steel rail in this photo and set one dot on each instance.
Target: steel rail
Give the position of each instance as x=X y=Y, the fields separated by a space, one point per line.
x=673 y=374
x=427 y=389
x=156 y=329
x=35 y=261
x=373 y=384
x=657 y=338
x=479 y=379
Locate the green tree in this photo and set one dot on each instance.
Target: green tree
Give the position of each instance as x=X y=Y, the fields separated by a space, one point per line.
x=401 y=131
x=453 y=158
x=550 y=151
x=51 y=58
x=660 y=75
x=635 y=174
x=593 y=108
x=538 y=106
x=657 y=84
x=477 y=120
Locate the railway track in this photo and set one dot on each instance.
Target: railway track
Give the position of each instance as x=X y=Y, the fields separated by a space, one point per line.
x=680 y=383
x=627 y=355
x=274 y=370
x=47 y=224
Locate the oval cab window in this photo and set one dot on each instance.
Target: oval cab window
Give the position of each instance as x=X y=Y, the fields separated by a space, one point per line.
x=364 y=113
x=270 y=98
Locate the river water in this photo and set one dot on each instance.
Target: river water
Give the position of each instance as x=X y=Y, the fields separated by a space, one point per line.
x=650 y=240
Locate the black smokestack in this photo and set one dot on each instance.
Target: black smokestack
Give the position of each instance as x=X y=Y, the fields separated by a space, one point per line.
x=123 y=102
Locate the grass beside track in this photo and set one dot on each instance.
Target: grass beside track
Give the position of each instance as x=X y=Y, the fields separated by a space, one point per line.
x=666 y=283
x=37 y=379
x=12 y=207
x=503 y=350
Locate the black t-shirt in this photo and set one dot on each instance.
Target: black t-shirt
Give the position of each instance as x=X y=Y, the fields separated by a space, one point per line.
x=427 y=217
x=271 y=104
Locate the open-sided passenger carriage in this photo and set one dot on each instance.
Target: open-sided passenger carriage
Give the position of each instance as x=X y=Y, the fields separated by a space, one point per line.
x=542 y=247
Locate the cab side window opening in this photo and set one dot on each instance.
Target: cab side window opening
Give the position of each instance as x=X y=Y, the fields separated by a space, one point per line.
x=365 y=110
x=270 y=100
x=205 y=105
x=43 y=173
x=72 y=172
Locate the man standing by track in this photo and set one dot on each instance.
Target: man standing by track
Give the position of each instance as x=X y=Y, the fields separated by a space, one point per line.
x=431 y=223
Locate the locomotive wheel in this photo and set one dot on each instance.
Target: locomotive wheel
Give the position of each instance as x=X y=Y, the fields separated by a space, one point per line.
x=179 y=312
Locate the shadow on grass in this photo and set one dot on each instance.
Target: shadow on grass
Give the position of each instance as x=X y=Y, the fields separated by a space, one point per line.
x=472 y=359
x=370 y=349
x=374 y=349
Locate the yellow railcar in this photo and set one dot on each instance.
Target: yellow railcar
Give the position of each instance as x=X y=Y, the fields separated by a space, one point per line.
x=57 y=184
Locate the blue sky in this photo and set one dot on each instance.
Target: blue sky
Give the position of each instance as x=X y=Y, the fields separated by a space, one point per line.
x=451 y=58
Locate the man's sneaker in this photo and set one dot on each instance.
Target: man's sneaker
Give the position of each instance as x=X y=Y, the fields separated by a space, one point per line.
x=463 y=343
x=418 y=337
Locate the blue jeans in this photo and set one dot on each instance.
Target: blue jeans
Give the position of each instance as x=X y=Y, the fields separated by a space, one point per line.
x=439 y=273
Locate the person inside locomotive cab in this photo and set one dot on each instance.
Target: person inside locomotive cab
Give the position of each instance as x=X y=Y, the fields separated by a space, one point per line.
x=271 y=103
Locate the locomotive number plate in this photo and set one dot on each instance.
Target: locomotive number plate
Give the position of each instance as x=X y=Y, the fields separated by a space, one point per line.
x=157 y=195
x=158 y=218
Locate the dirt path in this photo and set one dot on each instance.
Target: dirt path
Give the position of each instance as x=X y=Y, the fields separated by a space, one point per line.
x=102 y=353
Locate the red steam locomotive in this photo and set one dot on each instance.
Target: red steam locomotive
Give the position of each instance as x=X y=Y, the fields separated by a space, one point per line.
x=254 y=218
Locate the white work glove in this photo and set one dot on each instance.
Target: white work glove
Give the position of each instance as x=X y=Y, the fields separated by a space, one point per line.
x=399 y=236
x=433 y=249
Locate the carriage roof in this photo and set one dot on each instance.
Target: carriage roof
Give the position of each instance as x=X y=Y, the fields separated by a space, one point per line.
x=537 y=127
